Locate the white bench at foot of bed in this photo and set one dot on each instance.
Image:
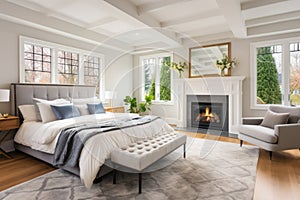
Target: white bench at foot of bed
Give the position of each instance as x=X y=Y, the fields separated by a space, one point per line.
x=140 y=155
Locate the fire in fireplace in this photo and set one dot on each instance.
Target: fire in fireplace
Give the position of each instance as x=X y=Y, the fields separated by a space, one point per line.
x=207 y=115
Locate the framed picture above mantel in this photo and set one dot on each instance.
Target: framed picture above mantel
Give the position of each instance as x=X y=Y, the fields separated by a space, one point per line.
x=202 y=59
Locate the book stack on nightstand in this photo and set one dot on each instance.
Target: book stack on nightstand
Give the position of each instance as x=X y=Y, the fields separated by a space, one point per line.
x=118 y=109
x=6 y=125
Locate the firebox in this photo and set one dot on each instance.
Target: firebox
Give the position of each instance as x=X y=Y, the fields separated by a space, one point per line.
x=208 y=112
x=207 y=115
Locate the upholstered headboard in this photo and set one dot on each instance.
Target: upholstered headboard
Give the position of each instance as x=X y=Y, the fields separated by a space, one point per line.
x=22 y=93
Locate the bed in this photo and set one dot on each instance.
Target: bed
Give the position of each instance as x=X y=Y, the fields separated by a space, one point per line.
x=44 y=140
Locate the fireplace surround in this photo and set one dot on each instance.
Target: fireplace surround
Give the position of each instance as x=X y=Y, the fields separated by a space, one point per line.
x=230 y=86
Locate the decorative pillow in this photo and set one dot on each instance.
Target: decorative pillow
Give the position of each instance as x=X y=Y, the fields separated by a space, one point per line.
x=28 y=112
x=271 y=119
x=65 y=111
x=49 y=102
x=96 y=108
x=46 y=112
x=85 y=101
x=83 y=109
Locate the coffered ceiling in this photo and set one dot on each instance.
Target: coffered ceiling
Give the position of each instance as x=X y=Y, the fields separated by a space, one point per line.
x=136 y=24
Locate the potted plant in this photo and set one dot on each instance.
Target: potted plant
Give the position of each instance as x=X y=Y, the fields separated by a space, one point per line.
x=142 y=107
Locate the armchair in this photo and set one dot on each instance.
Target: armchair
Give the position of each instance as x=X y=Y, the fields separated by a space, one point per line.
x=284 y=136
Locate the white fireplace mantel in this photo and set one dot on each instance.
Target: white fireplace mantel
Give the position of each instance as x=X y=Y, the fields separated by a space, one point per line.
x=230 y=85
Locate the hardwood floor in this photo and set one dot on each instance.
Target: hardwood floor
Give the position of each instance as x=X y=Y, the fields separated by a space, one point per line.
x=276 y=179
x=20 y=169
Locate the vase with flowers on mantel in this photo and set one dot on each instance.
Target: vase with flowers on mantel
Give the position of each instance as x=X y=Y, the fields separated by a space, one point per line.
x=224 y=65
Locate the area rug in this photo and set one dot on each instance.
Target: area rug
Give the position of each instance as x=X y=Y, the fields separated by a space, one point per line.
x=211 y=170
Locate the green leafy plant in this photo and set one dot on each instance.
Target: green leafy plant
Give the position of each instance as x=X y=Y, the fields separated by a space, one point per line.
x=141 y=107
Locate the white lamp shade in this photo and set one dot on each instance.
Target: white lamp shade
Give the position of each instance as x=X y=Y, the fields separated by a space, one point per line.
x=108 y=95
x=4 y=95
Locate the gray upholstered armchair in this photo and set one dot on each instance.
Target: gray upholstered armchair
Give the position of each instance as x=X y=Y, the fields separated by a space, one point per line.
x=278 y=130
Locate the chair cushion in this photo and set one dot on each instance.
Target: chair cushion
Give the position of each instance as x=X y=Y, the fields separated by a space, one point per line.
x=259 y=132
x=293 y=111
x=271 y=119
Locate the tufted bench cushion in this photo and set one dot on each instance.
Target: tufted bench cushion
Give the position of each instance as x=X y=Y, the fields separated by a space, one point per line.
x=143 y=153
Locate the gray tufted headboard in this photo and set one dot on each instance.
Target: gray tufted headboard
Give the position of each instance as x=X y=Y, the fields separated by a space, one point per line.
x=22 y=93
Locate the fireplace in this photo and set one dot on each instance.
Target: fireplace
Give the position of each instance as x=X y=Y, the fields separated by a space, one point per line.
x=208 y=112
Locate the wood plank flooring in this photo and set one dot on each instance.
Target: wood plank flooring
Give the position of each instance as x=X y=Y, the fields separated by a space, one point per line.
x=20 y=169
x=276 y=179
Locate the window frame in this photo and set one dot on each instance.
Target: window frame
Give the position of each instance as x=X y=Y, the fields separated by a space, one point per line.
x=157 y=79
x=54 y=48
x=285 y=70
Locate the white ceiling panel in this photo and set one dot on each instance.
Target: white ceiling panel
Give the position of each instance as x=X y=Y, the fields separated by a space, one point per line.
x=86 y=12
x=123 y=19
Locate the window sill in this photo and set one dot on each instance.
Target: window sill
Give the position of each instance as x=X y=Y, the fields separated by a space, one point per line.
x=167 y=103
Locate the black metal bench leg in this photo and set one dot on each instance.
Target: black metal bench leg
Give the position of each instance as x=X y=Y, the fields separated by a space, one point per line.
x=140 y=183
x=241 y=143
x=115 y=176
x=184 y=151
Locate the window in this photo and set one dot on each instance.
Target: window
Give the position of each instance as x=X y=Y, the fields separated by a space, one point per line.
x=92 y=66
x=276 y=72
x=37 y=64
x=45 y=62
x=68 y=65
x=157 y=75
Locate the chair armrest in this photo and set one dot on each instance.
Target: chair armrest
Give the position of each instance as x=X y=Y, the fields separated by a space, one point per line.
x=288 y=135
x=252 y=120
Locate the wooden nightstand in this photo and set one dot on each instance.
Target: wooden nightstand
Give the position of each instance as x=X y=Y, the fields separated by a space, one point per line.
x=119 y=109
x=6 y=125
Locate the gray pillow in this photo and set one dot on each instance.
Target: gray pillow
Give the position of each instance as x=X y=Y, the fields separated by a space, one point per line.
x=271 y=119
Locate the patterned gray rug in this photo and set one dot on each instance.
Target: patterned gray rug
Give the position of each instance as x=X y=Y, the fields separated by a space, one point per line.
x=212 y=170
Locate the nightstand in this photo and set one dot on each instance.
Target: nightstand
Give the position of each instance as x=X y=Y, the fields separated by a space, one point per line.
x=6 y=126
x=119 y=109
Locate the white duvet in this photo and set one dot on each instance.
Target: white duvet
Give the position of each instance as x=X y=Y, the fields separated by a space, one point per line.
x=44 y=136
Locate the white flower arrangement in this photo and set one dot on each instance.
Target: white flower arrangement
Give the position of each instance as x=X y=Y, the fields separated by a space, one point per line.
x=177 y=66
x=224 y=63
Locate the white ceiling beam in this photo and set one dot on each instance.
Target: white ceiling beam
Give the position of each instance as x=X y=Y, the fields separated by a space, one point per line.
x=153 y=6
x=212 y=37
x=271 y=9
x=255 y=4
x=184 y=20
x=275 y=28
x=129 y=9
x=99 y=23
x=273 y=19
x=231 y=9
x=24 y=16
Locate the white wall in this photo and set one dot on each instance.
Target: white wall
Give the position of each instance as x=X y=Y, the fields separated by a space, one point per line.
x=9 y=56
x=240 y=48
x=119 y=78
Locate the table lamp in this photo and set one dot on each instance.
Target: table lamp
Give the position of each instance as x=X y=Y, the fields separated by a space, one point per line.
x=4 y=97
x=109 y=96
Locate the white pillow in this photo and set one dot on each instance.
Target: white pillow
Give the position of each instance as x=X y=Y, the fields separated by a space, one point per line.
x=83 y=109
x=46 y=112
x=85 y=101
x=28 y=112
x=49 y=102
